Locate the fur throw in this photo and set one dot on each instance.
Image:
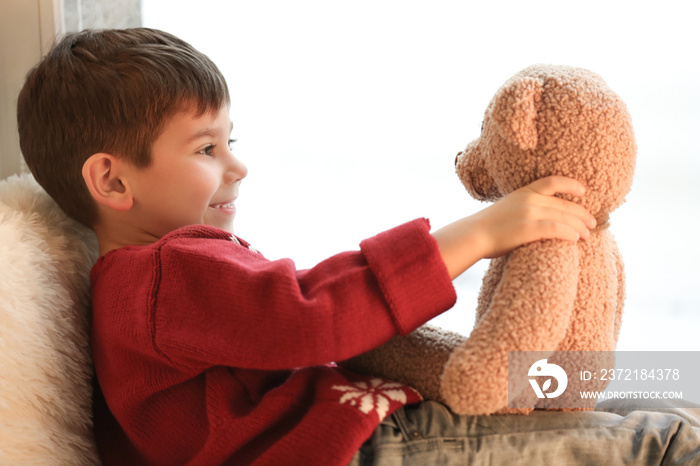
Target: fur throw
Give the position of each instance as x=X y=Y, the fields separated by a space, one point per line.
x=45 y=368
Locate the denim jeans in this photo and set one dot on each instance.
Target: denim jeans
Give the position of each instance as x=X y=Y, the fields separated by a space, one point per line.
x=430 y=434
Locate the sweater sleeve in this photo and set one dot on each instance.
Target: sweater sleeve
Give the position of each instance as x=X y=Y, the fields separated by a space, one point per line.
x=218 y=303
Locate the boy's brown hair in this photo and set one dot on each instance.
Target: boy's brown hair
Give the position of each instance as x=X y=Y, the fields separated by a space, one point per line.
x=107 y=91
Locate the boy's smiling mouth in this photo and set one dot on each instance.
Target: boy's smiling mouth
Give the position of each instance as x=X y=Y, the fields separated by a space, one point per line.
x=224 y=205
x=220 y=214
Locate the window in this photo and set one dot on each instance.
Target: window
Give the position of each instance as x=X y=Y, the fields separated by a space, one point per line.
x=349 y=116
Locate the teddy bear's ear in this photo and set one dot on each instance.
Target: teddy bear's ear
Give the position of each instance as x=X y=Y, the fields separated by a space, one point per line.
x=514 y=111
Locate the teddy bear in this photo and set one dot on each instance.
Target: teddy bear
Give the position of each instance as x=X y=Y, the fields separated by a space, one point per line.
x=548 y=296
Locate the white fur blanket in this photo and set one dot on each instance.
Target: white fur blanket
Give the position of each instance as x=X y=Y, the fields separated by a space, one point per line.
x=45 y=366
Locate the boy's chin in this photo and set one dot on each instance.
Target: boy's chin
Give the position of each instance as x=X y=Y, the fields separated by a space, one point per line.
x=228 y=227
x=222 y=220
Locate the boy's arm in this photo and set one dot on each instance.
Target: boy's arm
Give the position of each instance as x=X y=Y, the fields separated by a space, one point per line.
x=524 y=216
x=216 y=303
x=234 y=308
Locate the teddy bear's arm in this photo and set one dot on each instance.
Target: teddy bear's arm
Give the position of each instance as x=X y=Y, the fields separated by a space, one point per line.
x=416 y=360
x=529 y=311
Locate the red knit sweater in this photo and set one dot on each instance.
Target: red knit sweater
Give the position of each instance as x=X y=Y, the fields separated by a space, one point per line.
x=207 y=353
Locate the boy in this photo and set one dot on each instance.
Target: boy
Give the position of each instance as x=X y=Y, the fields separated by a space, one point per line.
x=206 y=352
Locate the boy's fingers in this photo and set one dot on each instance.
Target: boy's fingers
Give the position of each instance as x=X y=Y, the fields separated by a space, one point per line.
x=565 y=220
x=554 y=184
x=579 y=225
x=560 y=184
x=575 y=209
x=561 y=231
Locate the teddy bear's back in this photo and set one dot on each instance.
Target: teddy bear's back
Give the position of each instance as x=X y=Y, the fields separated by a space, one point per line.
x=597 y=314
x=600 y=292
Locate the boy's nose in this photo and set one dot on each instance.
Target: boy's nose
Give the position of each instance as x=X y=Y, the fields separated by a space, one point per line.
x=235 y=171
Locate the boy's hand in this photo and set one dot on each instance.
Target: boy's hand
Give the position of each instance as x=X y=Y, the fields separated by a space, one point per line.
x=529 y=214
x=532 y=213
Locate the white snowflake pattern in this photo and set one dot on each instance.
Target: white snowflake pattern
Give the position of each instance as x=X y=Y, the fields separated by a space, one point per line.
x=373 y=395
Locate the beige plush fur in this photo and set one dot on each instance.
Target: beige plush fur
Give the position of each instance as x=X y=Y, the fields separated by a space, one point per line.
x=547 y=295
x=45 y=367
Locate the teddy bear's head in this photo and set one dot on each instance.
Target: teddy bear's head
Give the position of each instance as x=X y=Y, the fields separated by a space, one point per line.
x=553 y=120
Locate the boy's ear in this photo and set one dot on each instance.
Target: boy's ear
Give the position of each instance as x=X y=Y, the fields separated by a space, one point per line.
x=103 y=174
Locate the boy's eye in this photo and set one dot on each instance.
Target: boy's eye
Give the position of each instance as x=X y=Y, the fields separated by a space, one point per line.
x=207 y=150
